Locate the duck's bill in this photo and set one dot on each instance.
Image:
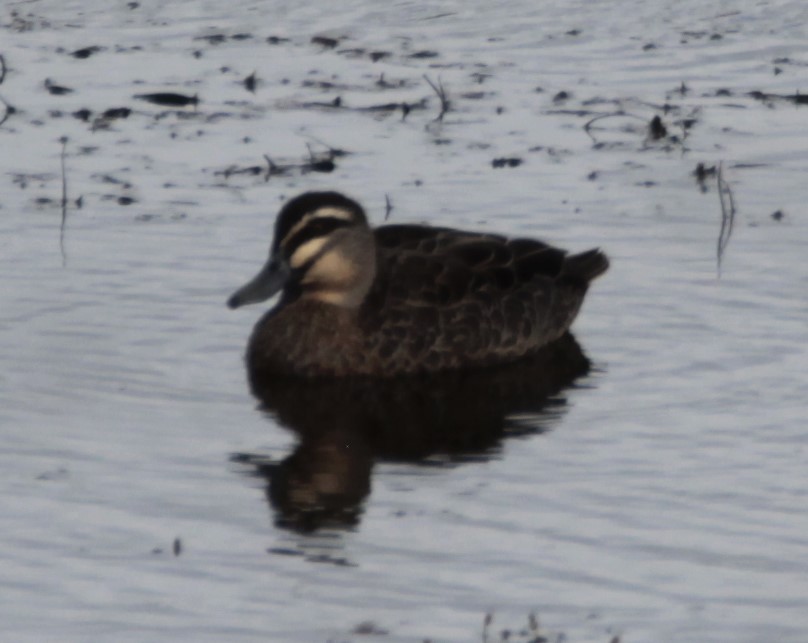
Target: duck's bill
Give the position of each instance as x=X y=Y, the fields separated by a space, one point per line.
x=265 y=284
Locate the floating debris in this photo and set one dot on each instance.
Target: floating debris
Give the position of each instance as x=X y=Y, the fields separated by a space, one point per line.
x=796 y=98
x=325 y=42
x=116 y=112
x=322 y=84
x=398 y=84
x=219 y=38
x=252 y=170
x=316 y=104
x=355 y=52
x=56 y=90
x=277 y=40
x=619 y=113
x=513 y=161
x=249 y=83
x=702 y=173
x=333 y=152
x=169 y=99
x=213 y=39
x=9 y=110
x=778 y=215
x=85 y=52
x=177 y=547
x=103 y=120
x=369 y=627
x=323 y=165
x=657 y=129
x=83 y=114
x=426 y=53
x=2 y=69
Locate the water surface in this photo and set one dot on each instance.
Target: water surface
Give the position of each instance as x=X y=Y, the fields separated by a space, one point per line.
x=664 y=500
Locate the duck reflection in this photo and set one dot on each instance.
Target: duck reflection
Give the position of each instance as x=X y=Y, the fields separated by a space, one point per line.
x=345 y=425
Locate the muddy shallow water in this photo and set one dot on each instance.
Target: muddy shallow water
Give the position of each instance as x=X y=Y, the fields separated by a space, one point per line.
x=662 y=497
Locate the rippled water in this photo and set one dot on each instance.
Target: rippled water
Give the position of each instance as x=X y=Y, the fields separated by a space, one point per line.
x=667 y=500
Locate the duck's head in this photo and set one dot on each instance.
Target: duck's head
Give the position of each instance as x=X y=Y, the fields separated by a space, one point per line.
x=323 y=249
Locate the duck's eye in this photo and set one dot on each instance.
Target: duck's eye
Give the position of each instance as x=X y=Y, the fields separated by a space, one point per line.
x=318 y=227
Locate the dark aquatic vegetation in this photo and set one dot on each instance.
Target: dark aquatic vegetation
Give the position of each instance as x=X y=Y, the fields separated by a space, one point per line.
x=169 y=99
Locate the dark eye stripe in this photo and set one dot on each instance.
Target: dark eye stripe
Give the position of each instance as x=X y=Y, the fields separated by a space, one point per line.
x=316 y=227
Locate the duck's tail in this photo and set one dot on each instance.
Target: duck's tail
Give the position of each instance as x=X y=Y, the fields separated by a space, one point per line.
x=585 y=266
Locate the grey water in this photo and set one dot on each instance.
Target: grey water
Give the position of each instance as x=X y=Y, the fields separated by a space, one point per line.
x=659 y=497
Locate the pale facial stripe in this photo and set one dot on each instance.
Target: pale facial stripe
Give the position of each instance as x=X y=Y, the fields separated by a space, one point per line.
x=319 y=213
x=307 y=252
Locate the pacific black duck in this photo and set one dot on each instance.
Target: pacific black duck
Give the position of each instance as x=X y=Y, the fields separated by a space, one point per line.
x=404 y=299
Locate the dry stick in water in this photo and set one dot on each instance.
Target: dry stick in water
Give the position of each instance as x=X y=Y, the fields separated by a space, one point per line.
x=588 y=125
x=63 y=141
x=727 y=214
x=441 y=92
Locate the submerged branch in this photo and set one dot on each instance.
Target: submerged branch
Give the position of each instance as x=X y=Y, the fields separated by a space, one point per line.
x=439 y=89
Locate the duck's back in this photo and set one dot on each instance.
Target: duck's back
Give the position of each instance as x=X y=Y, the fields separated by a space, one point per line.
x=446 y=298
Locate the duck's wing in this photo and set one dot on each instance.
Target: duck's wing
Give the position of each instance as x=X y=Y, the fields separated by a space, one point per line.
x=447 y=298
x=442 y=266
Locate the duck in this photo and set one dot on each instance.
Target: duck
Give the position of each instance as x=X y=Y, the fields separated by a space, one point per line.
x=404 y=299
